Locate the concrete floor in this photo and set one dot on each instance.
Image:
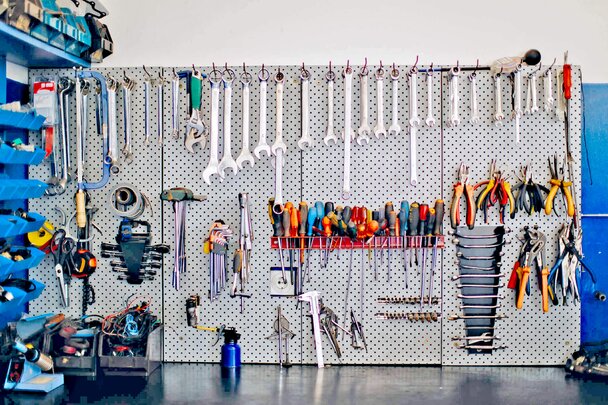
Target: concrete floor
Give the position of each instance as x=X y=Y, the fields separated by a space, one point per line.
x=257 y=384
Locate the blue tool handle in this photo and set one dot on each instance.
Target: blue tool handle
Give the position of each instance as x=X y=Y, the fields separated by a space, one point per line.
x=310 y=220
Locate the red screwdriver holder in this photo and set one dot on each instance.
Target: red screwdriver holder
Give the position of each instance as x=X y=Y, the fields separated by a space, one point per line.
x=344 y=242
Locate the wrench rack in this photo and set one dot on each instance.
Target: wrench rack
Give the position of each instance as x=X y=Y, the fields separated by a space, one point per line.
x=345 y=243
x=380 y=173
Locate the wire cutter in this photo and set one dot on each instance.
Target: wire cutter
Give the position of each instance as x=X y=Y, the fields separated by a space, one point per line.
x=460 y=188
x=532 y=251
x=62 y=247
x=528 y=194
x=557 y=184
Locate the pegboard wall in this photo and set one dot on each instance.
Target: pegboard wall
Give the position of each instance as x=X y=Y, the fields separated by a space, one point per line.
x=380 y=173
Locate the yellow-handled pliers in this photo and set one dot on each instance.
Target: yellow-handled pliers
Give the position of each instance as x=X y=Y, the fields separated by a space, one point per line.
x=558 y=184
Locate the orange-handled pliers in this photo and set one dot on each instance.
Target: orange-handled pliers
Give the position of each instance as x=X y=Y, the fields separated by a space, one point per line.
x=460 y=188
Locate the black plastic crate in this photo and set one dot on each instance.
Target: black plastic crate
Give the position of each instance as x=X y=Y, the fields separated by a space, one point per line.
x=80 y=366
x=133 y=366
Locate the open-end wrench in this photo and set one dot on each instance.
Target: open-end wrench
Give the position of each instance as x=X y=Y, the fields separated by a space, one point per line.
x=65 y=86
x=475 y=118
x=413 y=87
x=517 y=105
x=499 y=116
x=263 y=146
x=454 y=278
x=454 y=119
x=212 y=167
x=128 y=85
x=348 y=96
x=227 y=161
x=548 y=90
x=148 y=83
x=413 y=122
x=430 y=119
x=160 y=87
x=459 y=316
x=395 y=129
x=174 y=105
x=364 y=130
x=279 y=148
x=196 y=129
x=330 y=135
x=245 y=155
x=305 y=140
x=113 y=155
x=379 y=129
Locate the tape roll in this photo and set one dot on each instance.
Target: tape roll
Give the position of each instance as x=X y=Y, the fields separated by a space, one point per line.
x=130 y=199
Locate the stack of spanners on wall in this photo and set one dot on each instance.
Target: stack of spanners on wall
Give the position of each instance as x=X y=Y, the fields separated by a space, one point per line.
x=497 y=190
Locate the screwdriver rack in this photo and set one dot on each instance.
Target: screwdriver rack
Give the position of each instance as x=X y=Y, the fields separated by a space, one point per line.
x=345 y=243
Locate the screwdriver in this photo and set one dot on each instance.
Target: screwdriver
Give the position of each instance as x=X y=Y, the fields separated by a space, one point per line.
x=567 y=84
x=286 y=219
x=276 y=221
x=392 y=222
x=424 y=217
x=412 y=229
x=437 y=231
x=310 y=222
x=329 y=208
x=404 y=213
x=429 y=240
x=294 y=224
x=320 y=208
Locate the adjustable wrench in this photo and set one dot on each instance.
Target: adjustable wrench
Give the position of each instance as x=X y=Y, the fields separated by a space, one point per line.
x=160 y=83
x=454 y=120
x=196 y=129
x=475 y=118
x=517 y=106
x=263 y=146
x=364 y=129
x=430 y=120
x=245 y=155
x=127 y=151
x=348 y=95
x=212 y=167
x=279 y=148
x=148 y=82
x=395 y=129
x=499 y=116
x=379 y=129
x=113 y=155
x=413 y=122
x=227 y=161
x=330 y=136
x=548 y=90
x=306 y=140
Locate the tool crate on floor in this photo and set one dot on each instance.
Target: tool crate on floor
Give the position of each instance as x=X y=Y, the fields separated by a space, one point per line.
x=132 y=366
x=78 y=366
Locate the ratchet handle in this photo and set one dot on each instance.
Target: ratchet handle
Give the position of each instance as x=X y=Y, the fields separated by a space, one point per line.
x=195 y=92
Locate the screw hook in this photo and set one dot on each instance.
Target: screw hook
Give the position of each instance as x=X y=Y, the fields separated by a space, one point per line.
x=146 y=71
x=244 y=70
x=415 y=63
x=550 y=67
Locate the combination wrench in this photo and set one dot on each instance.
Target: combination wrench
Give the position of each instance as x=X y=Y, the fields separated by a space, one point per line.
x=213 y=166
x=245 y=155
x=148 y=83
x=175 y=105
x=517 y=106
x=454 y=119
x=348 y=95
x=414 y=123
x=128 y=85
x=548 y=90
x=227 y=161
x=279 y=148
x=379 y=129
x=475 y=118
x=364 y=130
x=430 y=119
x=395 y=129
x=160 y=86
x=65 y=86
x=499 y=116
x=112 y=157
x=531 y=95
x=330 y=135
x=305 y=140
x=263 y=76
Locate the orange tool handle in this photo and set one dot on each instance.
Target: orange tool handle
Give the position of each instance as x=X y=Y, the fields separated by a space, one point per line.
x=484 y=193
x=326 y=222
x=507 y=189
x=551 y=196
x=471 y=208
x=544 y=288
x=522 y=288
x=368 y=215
x=294 y=222
x=567 y=81
x=48 y=141
x=372 y=228
x=513 y=279
x=455 y=206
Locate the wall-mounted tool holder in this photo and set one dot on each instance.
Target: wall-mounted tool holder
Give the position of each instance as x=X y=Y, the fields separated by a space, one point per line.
x=346 y=243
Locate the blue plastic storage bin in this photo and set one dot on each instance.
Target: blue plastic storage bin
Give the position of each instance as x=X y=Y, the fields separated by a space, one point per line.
x=11 y=225
x=31 y=296
x=21 y=120
x=11 y=311
x=21 y=189
x=9 y=155
x=35 y=223
x=8 y=266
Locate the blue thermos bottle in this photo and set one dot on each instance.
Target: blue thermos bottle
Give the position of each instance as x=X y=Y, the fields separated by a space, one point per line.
x=231 y=351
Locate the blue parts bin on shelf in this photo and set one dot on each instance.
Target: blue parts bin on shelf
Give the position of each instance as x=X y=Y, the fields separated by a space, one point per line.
x=21 y=120
x=10 y=155
x=8 y=266
x=20 y=189
x=13 y=225
x=11 y=311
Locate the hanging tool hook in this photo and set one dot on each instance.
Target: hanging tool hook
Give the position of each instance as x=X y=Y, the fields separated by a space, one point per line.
x=146 y=71
x=550 y=67
x=263 y=74
x=364 y=70
x=415 y=63
x=305 y=74
x=331 y=75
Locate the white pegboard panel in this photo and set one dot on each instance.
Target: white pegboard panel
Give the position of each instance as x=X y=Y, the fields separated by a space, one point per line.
x=144 y=173
x=380 y=173
x=525 y=331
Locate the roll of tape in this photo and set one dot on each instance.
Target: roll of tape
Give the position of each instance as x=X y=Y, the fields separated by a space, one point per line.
x=127 y=195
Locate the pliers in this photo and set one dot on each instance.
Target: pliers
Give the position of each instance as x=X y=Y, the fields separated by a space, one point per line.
x=460 y=188
x=557 y=184
x=497 y=190
x=528 y=188
x=533 y=250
